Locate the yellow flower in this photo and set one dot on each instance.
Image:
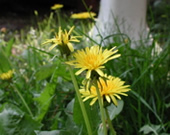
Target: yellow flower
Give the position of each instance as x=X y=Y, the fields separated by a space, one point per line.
x=63 y=39
x=7 y=75
x=83 y=15
x=92 y=59
x=56 y=6
x=109 y=89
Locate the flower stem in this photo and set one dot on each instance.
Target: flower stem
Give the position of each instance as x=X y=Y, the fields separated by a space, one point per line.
x=58 y=17
x=24 y=102
x=101 y=108
x=86 y=119
x=110 y=123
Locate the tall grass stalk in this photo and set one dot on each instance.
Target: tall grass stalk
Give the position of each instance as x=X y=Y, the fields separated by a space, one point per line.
x=23 y=101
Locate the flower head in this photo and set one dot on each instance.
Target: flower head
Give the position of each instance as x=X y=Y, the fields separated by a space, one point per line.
x=6 y=75
x=63 y=39
x=83 y=15
x=92 y=60
x=109 y=89
x=56 y=6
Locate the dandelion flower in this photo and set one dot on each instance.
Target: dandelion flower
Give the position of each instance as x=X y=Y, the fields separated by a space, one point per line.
x=109 y=88
x=92 y=60
x=63 y=39
x=56 y=6
x=83 y=15
x=7 y=75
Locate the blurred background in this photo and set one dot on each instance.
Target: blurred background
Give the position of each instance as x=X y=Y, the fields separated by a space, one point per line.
x=27 y=7
x=14 y=14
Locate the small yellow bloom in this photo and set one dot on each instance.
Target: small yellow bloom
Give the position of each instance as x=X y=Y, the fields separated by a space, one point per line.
x=92 y=59
x=7 y=75
x=63 y=39
x=83 y=15
x=126 y=41
x=109 y=89
x=56 y=6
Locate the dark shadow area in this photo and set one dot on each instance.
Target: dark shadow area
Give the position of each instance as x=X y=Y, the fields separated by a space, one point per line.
x=15 y=14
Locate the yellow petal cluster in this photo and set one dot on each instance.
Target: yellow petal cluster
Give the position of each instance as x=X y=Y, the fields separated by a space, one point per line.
x=7 y=75
x=63 y=38
x=56 y=6
x=83 y=15
x=92 y=59
x=110 y=90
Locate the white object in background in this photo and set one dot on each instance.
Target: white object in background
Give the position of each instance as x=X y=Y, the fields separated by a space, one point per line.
x=122 y=16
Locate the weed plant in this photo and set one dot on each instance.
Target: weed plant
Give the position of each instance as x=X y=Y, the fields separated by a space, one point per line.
x=39 y=99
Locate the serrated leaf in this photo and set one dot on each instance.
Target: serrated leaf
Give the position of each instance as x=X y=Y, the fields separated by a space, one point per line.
x=27 y=126
x=44 y=100
x=13 y=121
x=10 y=117
x=57 y=69
x=45 y=72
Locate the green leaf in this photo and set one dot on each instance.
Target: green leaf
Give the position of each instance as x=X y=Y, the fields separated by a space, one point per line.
x=54 y=132
x=92 y=112
x=1 y=94
x=55 y=121
x=4 y=63
x=15 y=122
x=44 y=100
x=115 y=110
x=45 y=72
x=70 y=126
x=10 y=117
x=146 y=129
x=28 y=125
x=58 y=69
x=9 y=47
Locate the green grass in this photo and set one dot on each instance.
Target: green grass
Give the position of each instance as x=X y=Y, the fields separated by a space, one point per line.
x=42 y=79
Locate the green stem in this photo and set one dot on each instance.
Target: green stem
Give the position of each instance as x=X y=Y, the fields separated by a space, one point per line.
x=86 y=119
x=58 y=16
x=82 y=25
x=110 y=123
x=101 y=108
x=24 y=102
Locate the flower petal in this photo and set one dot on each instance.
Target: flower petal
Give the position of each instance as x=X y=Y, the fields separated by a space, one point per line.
x=100 y=72
x=88 y=74
x=113 y=99
x=79 y=71
x=70 y=46
x=107 y=98
x=93 y=101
